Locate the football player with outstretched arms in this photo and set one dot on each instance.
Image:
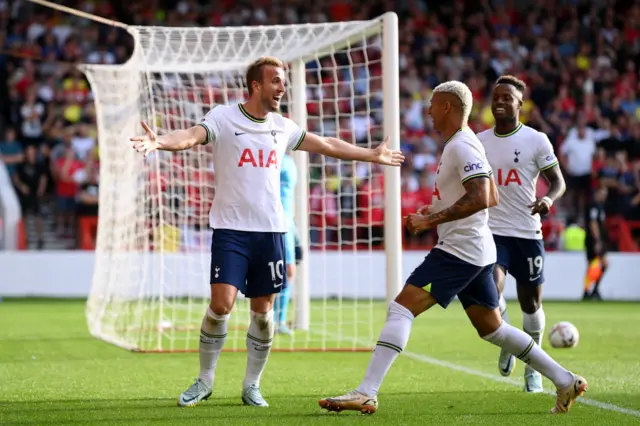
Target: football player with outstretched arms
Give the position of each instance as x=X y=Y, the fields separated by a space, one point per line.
x=248 y=248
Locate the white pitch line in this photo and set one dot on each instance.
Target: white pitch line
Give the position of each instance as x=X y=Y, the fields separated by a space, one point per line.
x=496 y=378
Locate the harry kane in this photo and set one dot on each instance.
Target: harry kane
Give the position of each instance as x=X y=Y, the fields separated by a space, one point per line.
x=248 y=248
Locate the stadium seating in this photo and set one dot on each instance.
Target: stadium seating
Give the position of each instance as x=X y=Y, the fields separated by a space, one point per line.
x=578 y=69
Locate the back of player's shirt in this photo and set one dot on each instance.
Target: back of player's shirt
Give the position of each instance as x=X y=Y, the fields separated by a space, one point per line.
x=517 y=159
x=469 y=239
x=247 y=157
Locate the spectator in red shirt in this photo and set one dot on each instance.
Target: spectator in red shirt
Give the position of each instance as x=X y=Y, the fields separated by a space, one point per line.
x=371 y=206
x=66 y=171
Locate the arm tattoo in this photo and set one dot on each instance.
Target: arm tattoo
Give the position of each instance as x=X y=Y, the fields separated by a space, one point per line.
x=557 y=185
x=475 y=199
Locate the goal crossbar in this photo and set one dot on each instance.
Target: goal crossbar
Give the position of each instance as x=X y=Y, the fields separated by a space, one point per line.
x=230 y=48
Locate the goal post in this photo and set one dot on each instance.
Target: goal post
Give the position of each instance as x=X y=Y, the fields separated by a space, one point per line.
x=150 y=286
x=299 y=115
x=392 y=182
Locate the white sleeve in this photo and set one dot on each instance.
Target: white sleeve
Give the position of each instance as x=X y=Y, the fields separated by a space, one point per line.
x=211 y=123
x=295 y=134
x=470 y=161
x=545 y=156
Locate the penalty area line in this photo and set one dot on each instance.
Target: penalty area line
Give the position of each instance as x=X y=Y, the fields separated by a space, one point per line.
x=473 y=372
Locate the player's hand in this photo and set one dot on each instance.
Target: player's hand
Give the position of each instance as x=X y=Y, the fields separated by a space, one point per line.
x=424 y=210
x=388 y=157
x=540 y=207
x=146 y=144
x=417 y=223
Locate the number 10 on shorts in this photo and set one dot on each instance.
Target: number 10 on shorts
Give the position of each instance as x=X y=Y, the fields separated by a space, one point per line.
x=277 y=272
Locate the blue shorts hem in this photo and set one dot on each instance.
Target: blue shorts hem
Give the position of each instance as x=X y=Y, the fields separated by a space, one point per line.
x=445 y=276
x=521 y=258
x=251 y=295
x=253 y=262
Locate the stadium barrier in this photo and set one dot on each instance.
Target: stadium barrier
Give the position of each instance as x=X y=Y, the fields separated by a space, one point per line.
x=65 y=274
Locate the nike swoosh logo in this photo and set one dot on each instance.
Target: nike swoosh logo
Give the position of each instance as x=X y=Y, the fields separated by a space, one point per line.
x=190 y=399
x=277 y=285
x=534 y=278
x=508 y=366
x=238 y=134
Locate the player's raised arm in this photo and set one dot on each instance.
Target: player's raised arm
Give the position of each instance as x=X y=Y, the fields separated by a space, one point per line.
x=337 y=148
x=177 y=140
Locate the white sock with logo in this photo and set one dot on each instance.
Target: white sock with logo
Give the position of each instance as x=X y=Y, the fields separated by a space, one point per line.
x=259 y=340
x=393 y=339
x=213 y=334
x=518 y=343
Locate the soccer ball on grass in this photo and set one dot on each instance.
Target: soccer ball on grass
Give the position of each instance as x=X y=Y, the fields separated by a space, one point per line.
x=564 y=335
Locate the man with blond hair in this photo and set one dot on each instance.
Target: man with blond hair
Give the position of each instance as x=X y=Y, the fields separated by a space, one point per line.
x=460 y=265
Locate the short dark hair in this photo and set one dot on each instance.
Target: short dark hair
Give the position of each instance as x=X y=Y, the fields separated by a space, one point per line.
x=520 y=85
x=254 y=72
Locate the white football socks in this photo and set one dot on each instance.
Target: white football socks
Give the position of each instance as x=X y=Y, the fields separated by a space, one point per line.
x=259 y=340
x=392 y=341
x=213 y=334
x=523 y=347
x=533 y=324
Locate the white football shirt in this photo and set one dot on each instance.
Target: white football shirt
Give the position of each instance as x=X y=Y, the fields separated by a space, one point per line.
x=469 y=239
x=517 y=159
x=247 y=155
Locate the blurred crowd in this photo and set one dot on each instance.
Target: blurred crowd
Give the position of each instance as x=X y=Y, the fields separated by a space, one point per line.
x=578 y=58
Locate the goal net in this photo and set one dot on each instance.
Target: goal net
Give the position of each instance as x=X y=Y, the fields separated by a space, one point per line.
x=150 y=287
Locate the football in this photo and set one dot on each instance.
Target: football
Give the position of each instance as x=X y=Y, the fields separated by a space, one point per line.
x=564 y=335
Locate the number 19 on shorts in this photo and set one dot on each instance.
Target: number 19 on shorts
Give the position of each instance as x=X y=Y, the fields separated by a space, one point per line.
x=277 y=272
x=535 y=267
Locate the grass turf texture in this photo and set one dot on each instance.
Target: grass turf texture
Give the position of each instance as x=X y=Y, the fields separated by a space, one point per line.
x=53 y=372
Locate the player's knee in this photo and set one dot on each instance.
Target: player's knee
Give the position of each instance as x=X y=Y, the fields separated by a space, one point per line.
x=223 y=297
x=220 y=307
x=415 y=299
x=263 y=321
x=484 y=320
x=214 y=319
x=530 y=298
x=530 y=305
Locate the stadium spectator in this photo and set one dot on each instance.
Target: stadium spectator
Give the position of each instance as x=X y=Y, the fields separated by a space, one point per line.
x=30 y=179
x=579 y=60
x=577 y=154
x=65 y=170
x=11 y=151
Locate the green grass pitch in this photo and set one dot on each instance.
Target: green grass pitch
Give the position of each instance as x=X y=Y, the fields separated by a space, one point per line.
x=53 y=372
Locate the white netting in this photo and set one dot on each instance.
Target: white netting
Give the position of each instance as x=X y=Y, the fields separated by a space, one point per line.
x=150 y=287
